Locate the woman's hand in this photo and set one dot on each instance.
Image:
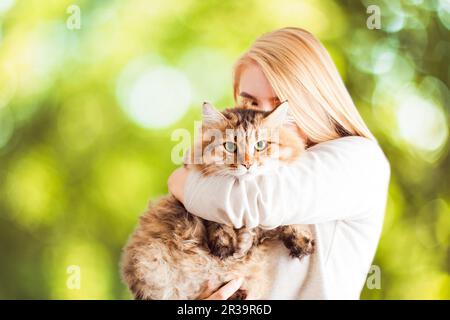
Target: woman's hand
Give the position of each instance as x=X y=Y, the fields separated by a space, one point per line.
x=223 y=293
x=176 y=183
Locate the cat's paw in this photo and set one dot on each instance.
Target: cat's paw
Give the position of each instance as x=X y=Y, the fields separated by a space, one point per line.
x=240 y=294
x=300 y=246
x=222 y=246
x=222 y=251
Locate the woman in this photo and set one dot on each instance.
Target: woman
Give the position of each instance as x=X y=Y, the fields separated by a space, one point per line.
x=338 y=188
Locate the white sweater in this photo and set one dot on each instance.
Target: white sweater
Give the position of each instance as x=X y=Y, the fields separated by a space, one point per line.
x=339 y=188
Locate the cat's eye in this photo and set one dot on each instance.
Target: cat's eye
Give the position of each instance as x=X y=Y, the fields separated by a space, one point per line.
x=230 y=146
x=261 y=145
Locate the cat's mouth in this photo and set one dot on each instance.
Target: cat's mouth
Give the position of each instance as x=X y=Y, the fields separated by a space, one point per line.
x=244 y=171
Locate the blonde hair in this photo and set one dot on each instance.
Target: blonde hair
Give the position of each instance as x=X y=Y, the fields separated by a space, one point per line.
x=300 y=70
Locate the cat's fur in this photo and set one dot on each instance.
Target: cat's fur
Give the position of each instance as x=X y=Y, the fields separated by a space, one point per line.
x=172 y=253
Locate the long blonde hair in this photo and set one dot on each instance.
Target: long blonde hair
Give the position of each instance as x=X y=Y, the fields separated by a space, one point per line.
x=300 y=70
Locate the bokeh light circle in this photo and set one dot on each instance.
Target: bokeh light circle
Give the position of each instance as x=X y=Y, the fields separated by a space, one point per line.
x=5 y=5
x=156 y=98
x=421 y=122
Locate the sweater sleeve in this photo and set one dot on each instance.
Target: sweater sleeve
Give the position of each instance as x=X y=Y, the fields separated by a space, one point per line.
x=341 y=179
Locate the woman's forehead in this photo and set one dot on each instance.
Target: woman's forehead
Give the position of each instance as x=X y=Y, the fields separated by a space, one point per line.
x=254 y=84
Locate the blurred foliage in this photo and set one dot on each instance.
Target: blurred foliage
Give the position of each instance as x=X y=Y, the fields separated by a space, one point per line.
x=86 y=117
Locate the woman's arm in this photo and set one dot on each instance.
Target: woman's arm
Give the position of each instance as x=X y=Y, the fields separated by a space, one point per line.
x=335 y=180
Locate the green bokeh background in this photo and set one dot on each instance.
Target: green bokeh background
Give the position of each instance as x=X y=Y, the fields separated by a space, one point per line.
x=85 y=142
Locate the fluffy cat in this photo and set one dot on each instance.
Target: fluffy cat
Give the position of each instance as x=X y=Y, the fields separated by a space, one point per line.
x=172 y=254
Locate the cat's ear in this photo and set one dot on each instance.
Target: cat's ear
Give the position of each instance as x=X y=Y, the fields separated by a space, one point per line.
x=278 y=116
x=211 y=115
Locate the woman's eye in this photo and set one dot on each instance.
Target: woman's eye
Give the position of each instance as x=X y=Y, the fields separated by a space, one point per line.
x=230 y=146
x=249 y=102
x=260 y=145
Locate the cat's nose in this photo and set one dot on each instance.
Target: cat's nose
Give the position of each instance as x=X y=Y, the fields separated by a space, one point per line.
x=247 y=165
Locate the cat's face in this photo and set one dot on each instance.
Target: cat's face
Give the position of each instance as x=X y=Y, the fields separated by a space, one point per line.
x=245 y=142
